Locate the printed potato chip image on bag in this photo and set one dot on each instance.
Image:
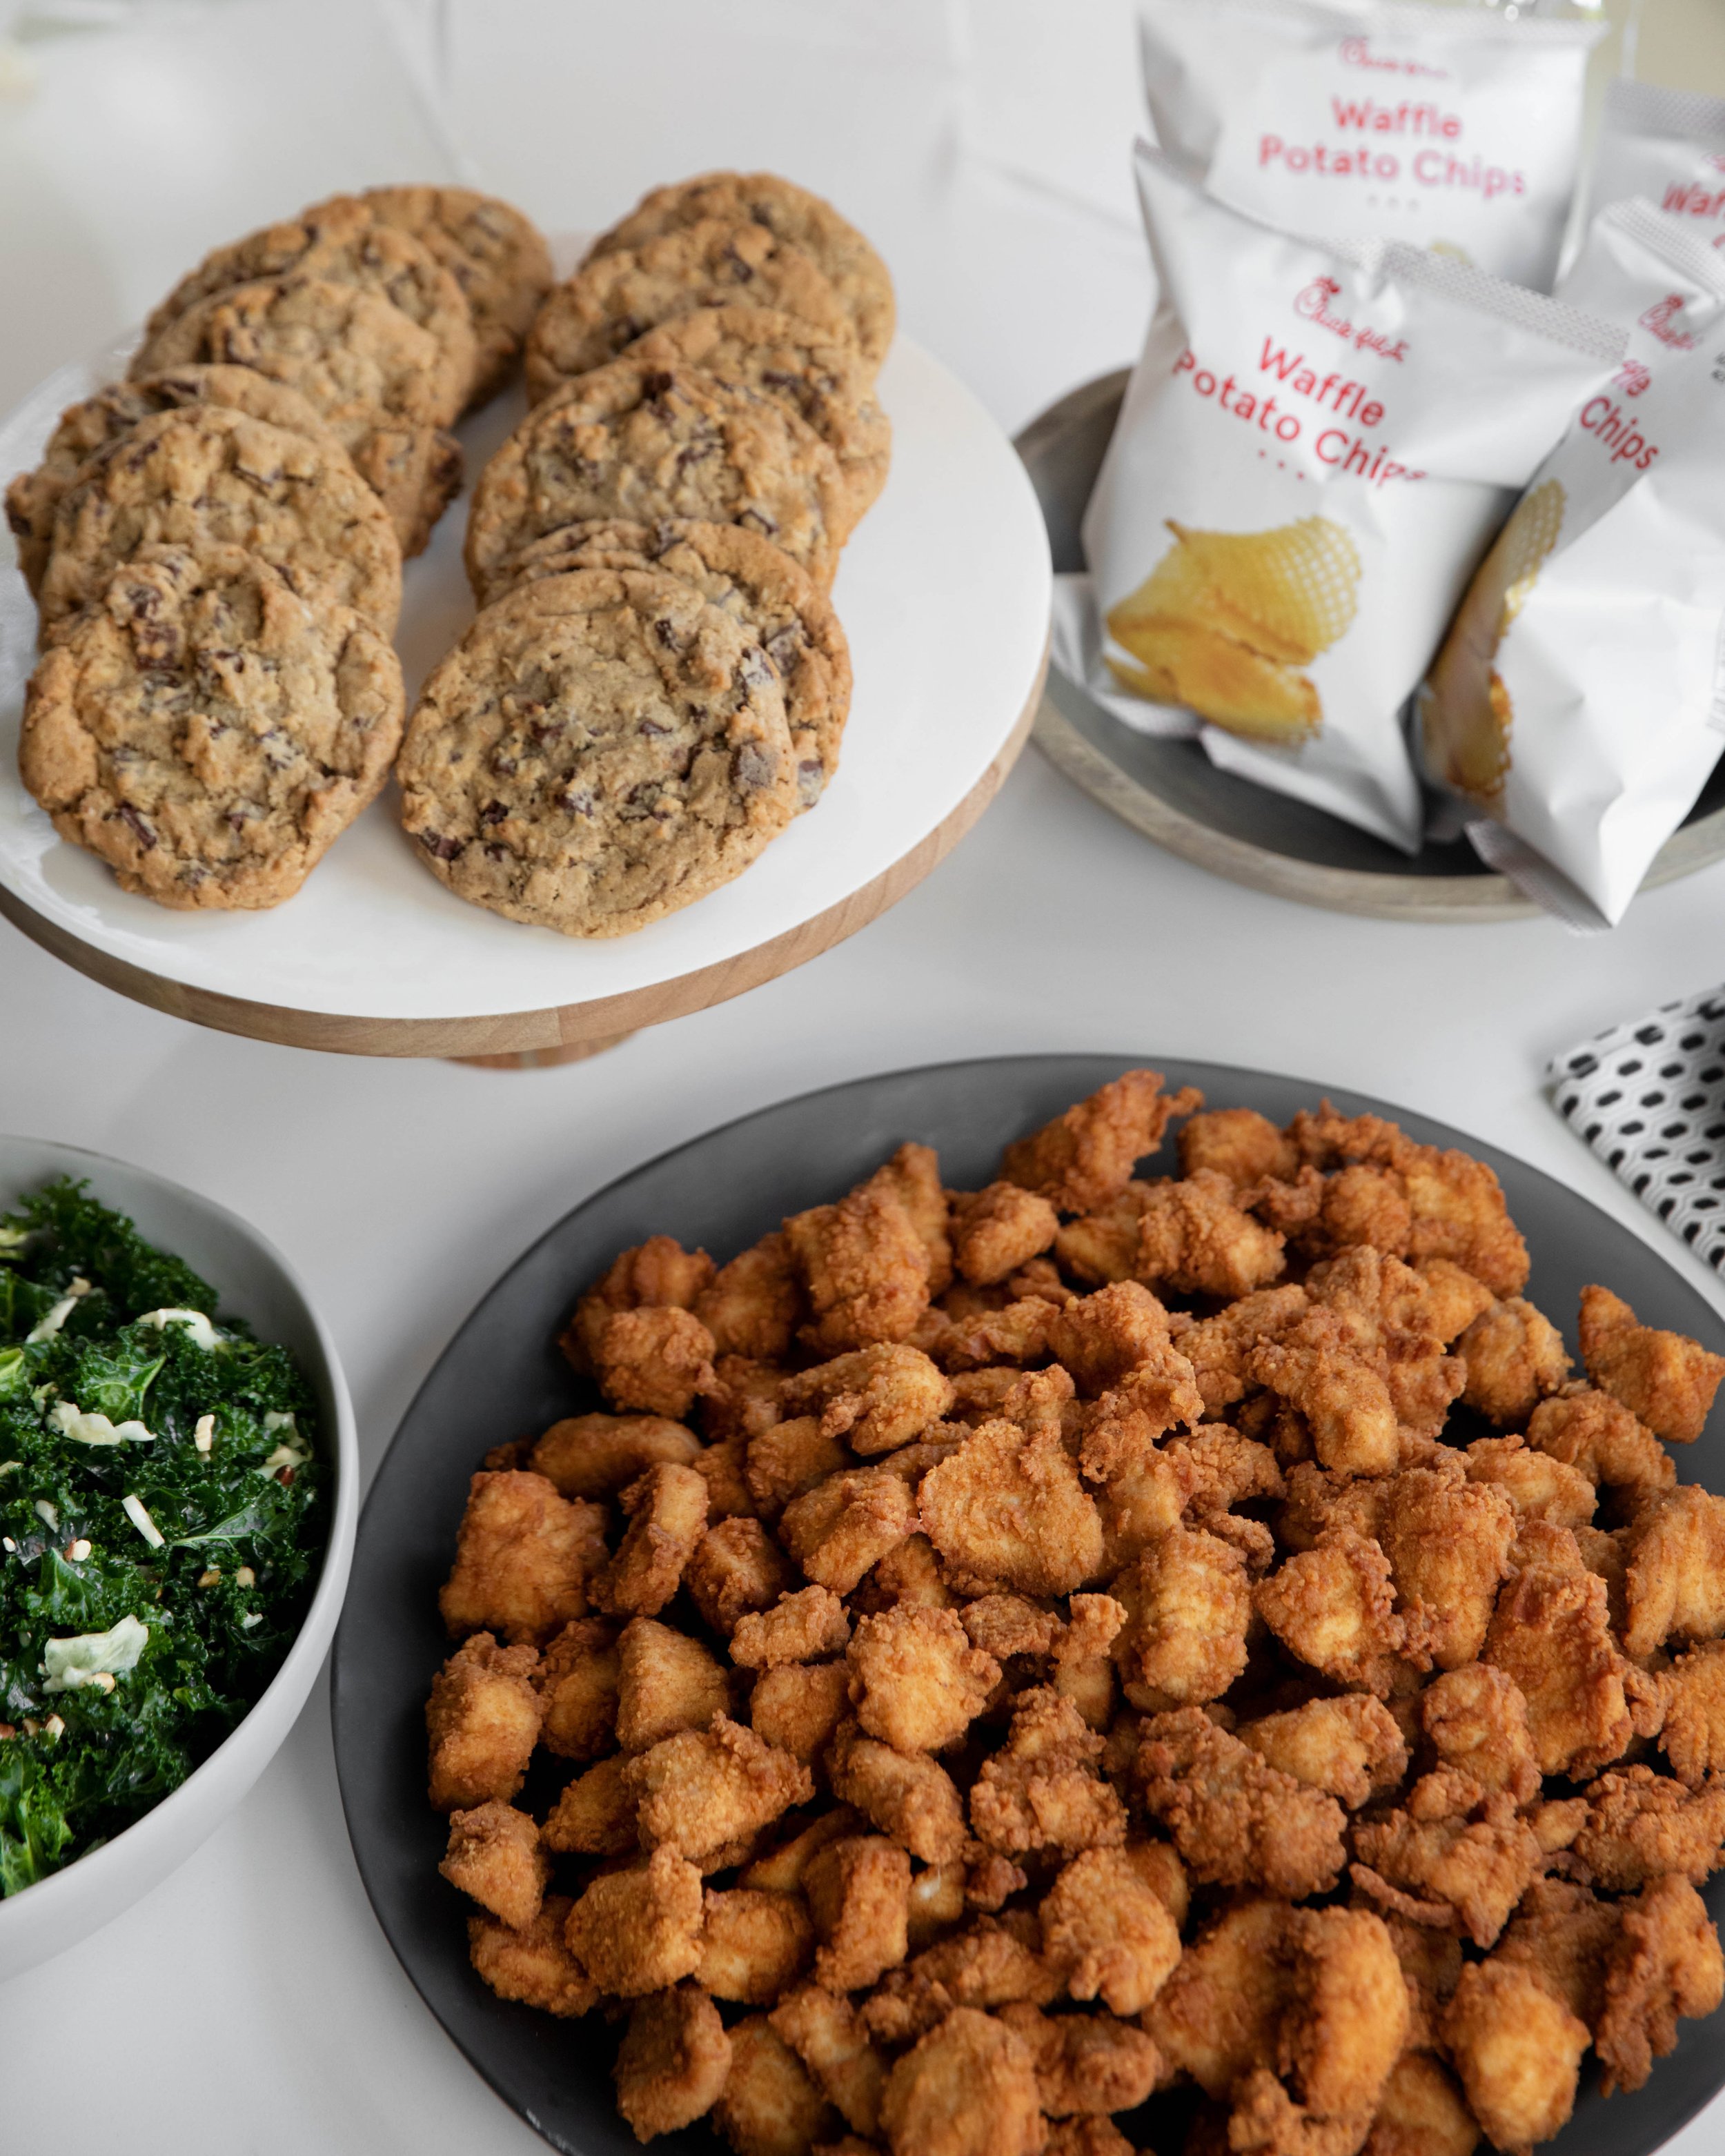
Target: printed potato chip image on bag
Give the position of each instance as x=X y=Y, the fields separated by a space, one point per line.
x=1453 y=128
x=1313 y=454
x=1666 y=146
x=1577 y=702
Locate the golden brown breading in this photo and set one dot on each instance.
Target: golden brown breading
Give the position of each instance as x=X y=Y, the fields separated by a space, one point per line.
x=768 y=2106
x=1016 y=1332
x=753 y=1944
x=1431 y=1968
x=1085 y=2062
x=911 y=1574
x=1194 y=1237
x=877 y=1397
x=1350 y=1748
x=672 y=2062
x=667 y=1515
x=1596 y=1436
x=779 y=1869
x=1692 y=1734
x=939 y=1901
x=859 y=1895
x=996 y=1230
x=734 y=1568
x=639 y=1930
x=1236 y=1821
x=1237 y=1142
x=533 y=1965
x=595 y=1455
x=1331 y=1607
x=654 y=1361
x=799 y=1707
x=1421 y=2113
x=1452 y=1299
x=905 y=1793
x=863 y=1266
x=576 y=1680
x=1085 y=1157
x=848 y=1523
x=1640 y=1825
x=1478 y=1863
x=1220 y=1347
x=659 y=1271
x=722 y=1467
x=482 y=1720
x=524 y=1558
x=1664 y=1961
x=494 y=1854
x=666 y=1681
x=1101 y=1247
x=1216 y=2016
x=1107 y=1931
x=1005 y=1624
x=1448 y=1543
x=703 y=1789
x=1539 y=1486
x=783 y=1461
x=1225 y=1469
x=992 y=1963
x=1516 y=1358
x=1343 y=2027
x=1563 y=1934
x=1360 y=1208
x=827 y=2035
x=1106 y=1339
x=916 y=1681
x=1476 y=1720
x=1008 y=1510
x=968 y=2088
x=752 y=1306
x=1551 y=1634
x=1041 y=1789
x=1517 y=2051
x=595 y=1814
x=1665 y=1379
x=744 y=1400
x=800 y=1628
x=1674 y=1587
x=1343 y=1397
x=1187 y=1604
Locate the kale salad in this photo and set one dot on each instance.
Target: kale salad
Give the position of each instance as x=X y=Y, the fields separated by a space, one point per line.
x=162 y=1515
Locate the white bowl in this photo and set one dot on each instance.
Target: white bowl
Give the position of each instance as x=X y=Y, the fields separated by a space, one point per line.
x=256 y=1282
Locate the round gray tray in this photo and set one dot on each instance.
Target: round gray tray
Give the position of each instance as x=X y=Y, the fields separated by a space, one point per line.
x=1170 y=790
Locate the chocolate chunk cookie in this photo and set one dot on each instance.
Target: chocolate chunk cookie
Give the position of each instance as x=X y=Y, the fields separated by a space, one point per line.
x=851 y=266
x=646 y=443
x=340 y=242
x=211 y=477
x=615 y=297
x=823 y=379
x=371 y=374
x=494 y=254
x=206 y=731
x=598 y=751
x=752 y=581
x=91 y=425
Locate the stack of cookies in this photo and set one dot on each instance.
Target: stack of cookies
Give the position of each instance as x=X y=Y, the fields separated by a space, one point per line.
x=656 y=683
x=216 y=543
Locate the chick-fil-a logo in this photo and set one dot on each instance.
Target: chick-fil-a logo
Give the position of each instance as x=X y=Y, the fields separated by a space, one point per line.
x=1357 y=52
x=1661 y=321
x=1312 y=304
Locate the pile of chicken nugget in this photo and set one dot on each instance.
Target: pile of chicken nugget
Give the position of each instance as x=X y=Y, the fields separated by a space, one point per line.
x=1004 y=1654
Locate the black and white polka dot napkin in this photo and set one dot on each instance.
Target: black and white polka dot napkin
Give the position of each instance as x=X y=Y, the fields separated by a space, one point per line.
x=1649 y=1098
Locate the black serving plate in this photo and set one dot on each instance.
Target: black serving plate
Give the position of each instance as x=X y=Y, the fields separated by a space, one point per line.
x=501 y=1377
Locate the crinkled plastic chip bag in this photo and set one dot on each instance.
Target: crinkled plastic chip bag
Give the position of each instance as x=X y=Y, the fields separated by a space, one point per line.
x=1667 y=146
x=1316 y=448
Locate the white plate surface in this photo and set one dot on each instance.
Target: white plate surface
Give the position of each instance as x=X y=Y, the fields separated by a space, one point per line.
x=944 y=593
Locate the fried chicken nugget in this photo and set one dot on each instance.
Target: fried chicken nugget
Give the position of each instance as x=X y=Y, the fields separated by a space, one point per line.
x=1448 y=1542
x=654 y=1360
x=1666 y=1963
x=494 y=1855
x=1344 y=1397
x=659 y=1273
x=1515 y=1357
x=1600 y=1439
x=1220 y=1349
x=1217 y=2014
x=595 y=1814
x=800 y=1628
x=998 y=1229
x=1343 y=2027
x=1188 y=1604
x=1041 y=1789
x=1665 y=1379
x=968 y=2088
x=1421 y=2113
x=1563 y=1934
x=1108 y=1337
x=667 y=1515
x=1538 y=1485
x=788 y=1459
x=482 y=1719
x=666 y=1681
x=916 y=1682
x=876 y=1399
x=827 y=2035
x=1331 y=1606
x=752 y=1306
x=1237 y=1142
x=1194 y=1237
x=859 y=1895
x=596 y=1455
x=1085 y=1157
x=702 y=1790
x=1108 y=1931
x=905 y=1793
x=576 y=1680
x=1085 y=2063
x=753 y=1944
x=639 y=1931
x=1008 y=1510
x=1675 y=1585
x=838 y=1530
x=863 y=1266
x=1476 y=1720
x=1478 y=1863
x=735 y=1569
x=672 y=2062
x=533 y=1965
x=1085 y=2136
x=1692 y=1735
x=1517 y=2050
x=1640 y=1825
x=799 y=1707
x=1350 y=1748
x=524 y=1558
x=768 y=2106
x=1236 y=1821
x=1551 y=1634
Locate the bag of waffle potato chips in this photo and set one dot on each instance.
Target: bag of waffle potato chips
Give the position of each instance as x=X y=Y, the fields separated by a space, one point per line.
x=1313 y=452
x=1579 y=701
x=1456 y=128
x=1666 y=145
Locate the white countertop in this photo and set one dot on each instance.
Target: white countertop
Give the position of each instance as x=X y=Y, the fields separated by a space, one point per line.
x=251 y=2001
